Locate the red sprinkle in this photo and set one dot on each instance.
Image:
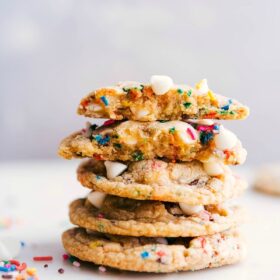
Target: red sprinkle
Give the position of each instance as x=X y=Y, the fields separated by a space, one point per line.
x=97 y=157
x=161 y=253
x=108 y=122
x=84 y=103
x=61 y=270
x=227 y=153
x=21 y=267
x=100 y=215
x=65 y=257
x=15 y=262
x=43 y=258
x=189 y=131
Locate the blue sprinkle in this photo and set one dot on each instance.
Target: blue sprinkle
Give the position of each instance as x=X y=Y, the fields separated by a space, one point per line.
x=101 y=140
x=226 y=107
x=4 y=269
x=22 y=243
x=216 y=128
x=145 y=255
x=104 y=100
x=98 y=177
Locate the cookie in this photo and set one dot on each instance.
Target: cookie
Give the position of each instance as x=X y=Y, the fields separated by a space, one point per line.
x=268 y=179
x=123 y=216
x=144 y=254
x=165 y=181
x=139 y=102
x=175 y=140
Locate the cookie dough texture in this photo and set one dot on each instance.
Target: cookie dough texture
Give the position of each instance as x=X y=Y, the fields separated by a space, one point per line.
x=268 y=179
x=140 y=103
x=165 y=181
x=124 y=216
x=146 y=254
x=135 y=141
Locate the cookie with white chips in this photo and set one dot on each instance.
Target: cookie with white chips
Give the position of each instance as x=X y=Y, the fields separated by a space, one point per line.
x=174 y=140
x=146 y=254
x=193 y=183
x=160 y=100
x=123 y=216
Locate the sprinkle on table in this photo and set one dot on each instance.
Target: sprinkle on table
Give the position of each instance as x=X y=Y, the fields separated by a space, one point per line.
x=104 y=100
x=43 y=258
x=61 y=270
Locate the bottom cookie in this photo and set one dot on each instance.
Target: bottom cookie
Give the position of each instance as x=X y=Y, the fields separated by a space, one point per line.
x=160 y=255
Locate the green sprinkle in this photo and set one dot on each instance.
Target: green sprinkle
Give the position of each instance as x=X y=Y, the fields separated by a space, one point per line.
x=126 y=90
x=162 y=121
x=117 y=145
x=142 y=87
x=189 y=92
x=115 y=136
x=232 y=113
x=187 y=104
x=138 y=155
x=180 y=91
x=172 y=130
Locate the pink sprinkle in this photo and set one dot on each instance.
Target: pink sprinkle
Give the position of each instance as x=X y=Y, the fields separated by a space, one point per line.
x=189 y=131
x=161 y=253
x=108 y=122
x=100 y=215
x=65 y=257
x=102 y=269
x=76 y=264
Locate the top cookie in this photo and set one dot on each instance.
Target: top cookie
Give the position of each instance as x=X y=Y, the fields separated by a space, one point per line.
x=160 y=100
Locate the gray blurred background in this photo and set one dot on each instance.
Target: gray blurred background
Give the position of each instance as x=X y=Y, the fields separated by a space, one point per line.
x=54 y=52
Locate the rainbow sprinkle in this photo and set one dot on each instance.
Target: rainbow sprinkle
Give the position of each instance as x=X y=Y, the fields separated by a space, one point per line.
x=101 y=140
x=226 y=107
x=145 y=255
x=104 y=100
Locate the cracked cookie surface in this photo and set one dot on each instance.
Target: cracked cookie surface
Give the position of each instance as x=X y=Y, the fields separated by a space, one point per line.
x=159 y=180
x=123 y=216
x=146 y=254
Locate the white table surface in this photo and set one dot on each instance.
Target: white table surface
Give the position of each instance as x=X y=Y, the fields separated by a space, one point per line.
x=35 y=195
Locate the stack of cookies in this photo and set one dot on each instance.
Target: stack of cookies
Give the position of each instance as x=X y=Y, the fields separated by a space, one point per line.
x=159 y=178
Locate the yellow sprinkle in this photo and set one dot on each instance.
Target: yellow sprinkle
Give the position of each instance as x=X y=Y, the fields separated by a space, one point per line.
x=211 y=95
x=95 y=244
x=31 y=271
x=125 y=103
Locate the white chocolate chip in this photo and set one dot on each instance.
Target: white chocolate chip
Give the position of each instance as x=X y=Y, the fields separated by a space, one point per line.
x=190 y=209
x=9 y=247
x=96 y=198
x=213 y=168
x=202 y=122
x=95 y=107
x=225 y=139
x=142 y=113
x=162 y=240
x=202 y=86
x=161 y=84
x=114 y=168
